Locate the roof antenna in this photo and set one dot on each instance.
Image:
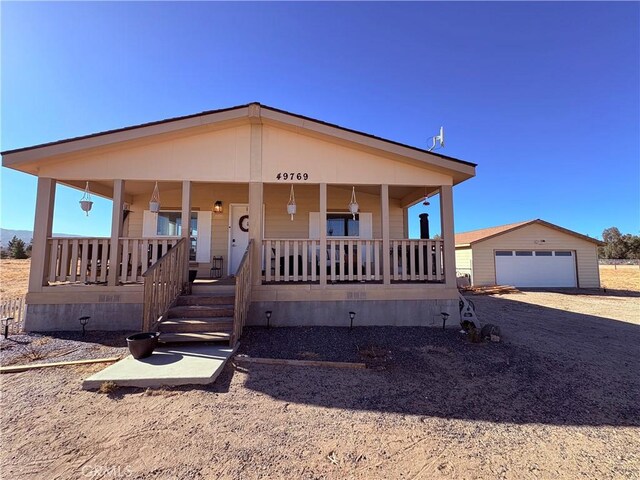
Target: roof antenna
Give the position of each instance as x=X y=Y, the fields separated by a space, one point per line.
x=437 y=141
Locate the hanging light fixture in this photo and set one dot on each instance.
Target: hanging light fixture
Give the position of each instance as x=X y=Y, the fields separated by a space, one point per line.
x=353 y=205
x=291 y=205
x=426 y=198
x=154 y=203
x=85 y=201
x=217 y=207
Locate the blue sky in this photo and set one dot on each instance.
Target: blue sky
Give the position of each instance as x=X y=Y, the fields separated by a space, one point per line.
x=543 y=96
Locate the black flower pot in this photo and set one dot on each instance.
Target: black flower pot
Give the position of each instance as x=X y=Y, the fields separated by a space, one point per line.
x=141 y=345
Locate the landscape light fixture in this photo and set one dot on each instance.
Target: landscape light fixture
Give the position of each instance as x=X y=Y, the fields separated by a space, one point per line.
x=83 y=321
x=217 y=207
x=85 y=201
x=352 y=315
x=268 y=315
x=445 y=315
x=154 y=203
x=291 y=204
x=5 y=323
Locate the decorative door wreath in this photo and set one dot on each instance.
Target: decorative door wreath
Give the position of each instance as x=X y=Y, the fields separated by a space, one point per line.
x=244 y=223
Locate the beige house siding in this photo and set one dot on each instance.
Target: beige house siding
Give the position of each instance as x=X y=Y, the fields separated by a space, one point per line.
x=464 y=258
x=278 y=223
x=484 y=270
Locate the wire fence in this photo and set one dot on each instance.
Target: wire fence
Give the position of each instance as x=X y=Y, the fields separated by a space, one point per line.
x=13 y=307
x=617 y=262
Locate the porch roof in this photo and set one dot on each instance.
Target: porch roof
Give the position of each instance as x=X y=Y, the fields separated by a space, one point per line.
x=27 y=159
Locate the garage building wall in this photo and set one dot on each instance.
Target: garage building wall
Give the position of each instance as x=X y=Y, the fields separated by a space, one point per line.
x=484 y=267
x=464 y=259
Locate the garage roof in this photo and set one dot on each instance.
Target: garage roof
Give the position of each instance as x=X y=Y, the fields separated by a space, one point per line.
x=475 y=236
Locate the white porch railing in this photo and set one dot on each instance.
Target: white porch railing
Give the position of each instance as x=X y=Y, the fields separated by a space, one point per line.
x=300 y=260
x=86 y=260
x=417 y=261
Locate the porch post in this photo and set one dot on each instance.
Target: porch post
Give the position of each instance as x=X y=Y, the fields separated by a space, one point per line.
x=186 y=222
x=448 y=235
x=41 y=232
x=386 y=241
x=322 y=256
x=256 y=191
x=116 y=233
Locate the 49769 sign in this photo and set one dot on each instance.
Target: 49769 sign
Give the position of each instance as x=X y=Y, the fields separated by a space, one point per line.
x=292 y=176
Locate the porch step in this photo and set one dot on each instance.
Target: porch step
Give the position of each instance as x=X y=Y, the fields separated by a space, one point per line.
x=213 y=289
x=191 y=325
x=206 y=299
x=195 y=337
x=201 y=311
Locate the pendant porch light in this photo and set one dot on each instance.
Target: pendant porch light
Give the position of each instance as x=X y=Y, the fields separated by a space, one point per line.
x=85 y=201
x=291 y=205
x=426 y=198
x=154 y=203
x=353 y=205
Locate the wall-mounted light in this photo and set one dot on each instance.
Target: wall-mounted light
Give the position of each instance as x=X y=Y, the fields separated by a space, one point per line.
x=217 y=207
x=291 y=204
x=85 y=201
x=154 y=203
x=353 y=204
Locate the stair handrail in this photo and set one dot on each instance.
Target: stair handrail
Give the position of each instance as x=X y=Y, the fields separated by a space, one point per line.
x=163 y=282
x=243 y=294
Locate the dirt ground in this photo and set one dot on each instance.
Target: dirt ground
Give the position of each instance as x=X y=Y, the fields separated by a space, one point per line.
x=558 y=398
x=14 y=277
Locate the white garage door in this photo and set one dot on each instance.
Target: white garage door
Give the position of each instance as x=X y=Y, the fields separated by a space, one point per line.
x=536 y=268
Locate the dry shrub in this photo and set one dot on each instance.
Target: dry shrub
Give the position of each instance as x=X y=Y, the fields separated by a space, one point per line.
x=435 y=349
x=33 y=351
x=163 y=392
x=107 y=387
x=373 y=352
x=474 y=335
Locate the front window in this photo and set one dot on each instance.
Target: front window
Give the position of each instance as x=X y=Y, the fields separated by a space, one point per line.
x=342 y=225
x=170 y=225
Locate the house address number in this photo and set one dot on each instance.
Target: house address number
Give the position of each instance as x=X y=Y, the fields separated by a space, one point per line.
x=292 y=176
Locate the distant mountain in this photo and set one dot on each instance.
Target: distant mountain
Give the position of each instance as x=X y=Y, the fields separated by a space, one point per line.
x=25 y=235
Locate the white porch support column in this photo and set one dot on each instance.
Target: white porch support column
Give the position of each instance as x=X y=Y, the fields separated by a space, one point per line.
x=186 y=222
x=116 y=232
x=256 y=192
x=322 y=255
x=405 y=219
x=386 y=240
x=448 y=235
x=41 y=232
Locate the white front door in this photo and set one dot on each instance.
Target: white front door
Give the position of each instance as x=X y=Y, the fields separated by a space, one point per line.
x=238 y=235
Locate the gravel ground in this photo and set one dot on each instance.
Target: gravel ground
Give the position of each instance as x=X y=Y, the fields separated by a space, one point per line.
x=61 y=347
x=556 y=399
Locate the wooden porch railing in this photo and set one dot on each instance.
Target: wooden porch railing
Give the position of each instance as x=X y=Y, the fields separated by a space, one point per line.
x=86 y=260
x=164 y=281
x=300 y=260
x=417 y=261
x=243 y=294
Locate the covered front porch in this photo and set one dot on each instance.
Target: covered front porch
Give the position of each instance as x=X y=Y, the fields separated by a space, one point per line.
x=322 y=243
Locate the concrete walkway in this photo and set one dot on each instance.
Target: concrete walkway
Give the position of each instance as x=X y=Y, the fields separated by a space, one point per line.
x=167 y=366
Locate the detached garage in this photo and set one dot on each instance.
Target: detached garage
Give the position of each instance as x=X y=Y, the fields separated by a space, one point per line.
x=528 y=254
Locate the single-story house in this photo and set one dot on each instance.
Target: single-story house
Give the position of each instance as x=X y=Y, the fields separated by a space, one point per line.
x=307 y=220
x=534 y=253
